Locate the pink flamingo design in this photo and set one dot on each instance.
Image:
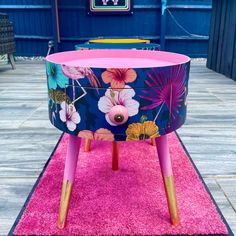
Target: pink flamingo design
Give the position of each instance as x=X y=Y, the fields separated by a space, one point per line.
x=77 y=73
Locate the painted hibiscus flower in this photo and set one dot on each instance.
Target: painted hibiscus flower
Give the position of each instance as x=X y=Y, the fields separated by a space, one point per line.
x=113 y=98
x=119 y=77
x=69 y=115
x=55 y=76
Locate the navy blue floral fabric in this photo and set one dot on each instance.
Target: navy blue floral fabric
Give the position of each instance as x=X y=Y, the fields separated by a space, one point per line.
x=79 y=100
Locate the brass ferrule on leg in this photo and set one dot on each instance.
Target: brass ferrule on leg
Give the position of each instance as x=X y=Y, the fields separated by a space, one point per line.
x=64 y=204
x=115 y=155
x=87 y=145
x=171 y=198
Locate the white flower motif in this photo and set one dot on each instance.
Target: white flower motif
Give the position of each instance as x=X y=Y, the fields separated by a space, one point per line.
x=69 y=115
x=113 y=98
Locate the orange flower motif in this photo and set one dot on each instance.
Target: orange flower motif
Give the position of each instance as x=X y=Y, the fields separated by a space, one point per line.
x=104 y=134
x=87 y=134
x=100 y=134
x=119 y=77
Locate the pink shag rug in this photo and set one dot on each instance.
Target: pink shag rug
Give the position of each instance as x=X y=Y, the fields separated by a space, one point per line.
x=130 y=201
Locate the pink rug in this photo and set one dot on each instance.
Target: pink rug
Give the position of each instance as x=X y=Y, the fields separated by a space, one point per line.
x=128 y=202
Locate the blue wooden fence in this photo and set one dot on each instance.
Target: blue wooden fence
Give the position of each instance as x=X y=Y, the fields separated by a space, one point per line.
x=181 y=25
x=222 y=43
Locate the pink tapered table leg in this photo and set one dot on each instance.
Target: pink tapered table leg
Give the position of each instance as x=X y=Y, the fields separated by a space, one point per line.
x=68 y=179
x=167 y=174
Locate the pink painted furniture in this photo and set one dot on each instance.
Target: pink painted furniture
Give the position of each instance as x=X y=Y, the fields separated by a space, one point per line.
x=117 y=95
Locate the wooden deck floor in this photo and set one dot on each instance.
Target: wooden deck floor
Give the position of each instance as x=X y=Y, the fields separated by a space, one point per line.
x=27 y=138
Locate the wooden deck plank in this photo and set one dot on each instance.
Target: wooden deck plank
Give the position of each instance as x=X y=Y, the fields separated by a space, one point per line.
x=227 y=185
x=222 y=203
x=13 y=195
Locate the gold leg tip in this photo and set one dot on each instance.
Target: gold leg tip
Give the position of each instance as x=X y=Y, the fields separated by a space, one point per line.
x=64 y=204
x=60 y=225
x=175 y=222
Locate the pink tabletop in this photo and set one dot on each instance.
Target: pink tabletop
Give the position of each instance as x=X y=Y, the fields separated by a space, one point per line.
x=118 y=58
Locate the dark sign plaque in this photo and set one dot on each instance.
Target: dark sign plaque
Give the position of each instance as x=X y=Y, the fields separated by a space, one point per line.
x=109 y=6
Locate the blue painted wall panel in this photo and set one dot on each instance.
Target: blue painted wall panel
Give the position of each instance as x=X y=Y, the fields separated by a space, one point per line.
x=29 y=22
x=82 y=25
x=194 y=47
x=24 y=2
x=34 y=24
x=193 y=21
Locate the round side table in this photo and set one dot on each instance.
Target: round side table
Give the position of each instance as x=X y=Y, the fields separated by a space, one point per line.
x=117 y=95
